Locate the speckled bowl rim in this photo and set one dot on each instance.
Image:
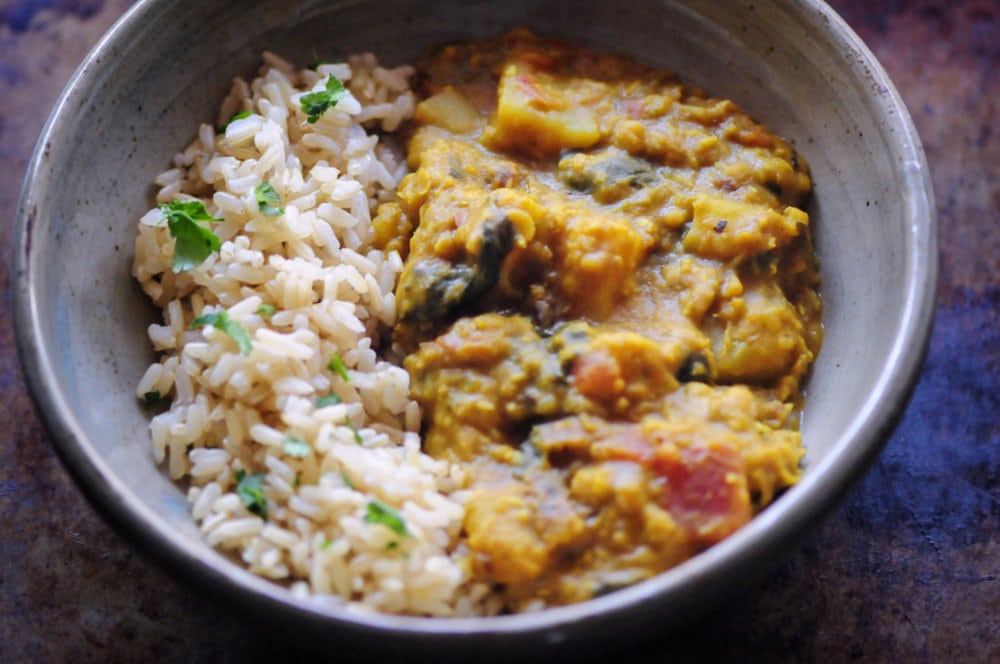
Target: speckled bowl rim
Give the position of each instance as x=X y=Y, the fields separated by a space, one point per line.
x=684 y=590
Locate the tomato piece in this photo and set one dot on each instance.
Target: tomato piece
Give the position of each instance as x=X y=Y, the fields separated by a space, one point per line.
x=701 y=475
x=598 y=376
x=705 y=488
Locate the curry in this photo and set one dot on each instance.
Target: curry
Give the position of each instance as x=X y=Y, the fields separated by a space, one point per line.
x=608 y=306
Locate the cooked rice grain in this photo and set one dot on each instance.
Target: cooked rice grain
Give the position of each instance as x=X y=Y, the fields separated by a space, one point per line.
x=331 y=291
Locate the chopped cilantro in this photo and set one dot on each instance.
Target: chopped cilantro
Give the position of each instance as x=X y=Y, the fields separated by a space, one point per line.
x=238 y=116
x=317 y=61
x=316 y=104
x=295 y=446
x=380 y=513
x=250 y=488
x=151 y=398
x=221 y=321
x=347 y=480
x=268 y=200
x=391 y=546
x=337 y=366
x=326 y=544
x=193 y=241
x=357 y=436
x=328 y=400
x=298 y=480
x=266 y=310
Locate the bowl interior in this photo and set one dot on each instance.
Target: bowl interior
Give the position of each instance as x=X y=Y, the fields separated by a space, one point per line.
x=139 y=99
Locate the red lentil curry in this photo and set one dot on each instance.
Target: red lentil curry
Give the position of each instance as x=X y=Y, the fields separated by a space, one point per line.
x=609 y=303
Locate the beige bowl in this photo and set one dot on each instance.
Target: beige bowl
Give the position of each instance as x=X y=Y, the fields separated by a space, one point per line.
x=80 y=319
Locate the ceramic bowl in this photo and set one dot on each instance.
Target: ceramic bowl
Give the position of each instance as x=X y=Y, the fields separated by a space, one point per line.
x=166 y=65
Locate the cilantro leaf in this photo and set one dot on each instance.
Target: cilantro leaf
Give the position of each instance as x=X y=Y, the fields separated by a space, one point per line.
x=151 y=398
x=337 y=366
x=316 y=104
x=328 y=400
x=221 y=321
x=268 y=200
x=250 y=489
x=357 y=436
x=347 y=480
x=238 y=116
x=317 y=61
x=205 y=319
x=380 y=513
x=295 y=446
x=266 y=310
x=325 y=544
x=193 y=242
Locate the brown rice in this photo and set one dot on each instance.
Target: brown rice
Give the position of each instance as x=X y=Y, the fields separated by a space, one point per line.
x=332 y=294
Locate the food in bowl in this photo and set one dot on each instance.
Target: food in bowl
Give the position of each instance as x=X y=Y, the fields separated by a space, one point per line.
x=599 y=284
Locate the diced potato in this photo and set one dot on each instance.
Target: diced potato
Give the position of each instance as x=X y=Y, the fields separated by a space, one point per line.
x=514 y=532
x=763 y=342
x=724 y=228
x=449 y=109
x=535 y=115
x=596 y=258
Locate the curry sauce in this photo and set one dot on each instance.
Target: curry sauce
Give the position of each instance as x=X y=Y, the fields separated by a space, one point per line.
x=608 y=306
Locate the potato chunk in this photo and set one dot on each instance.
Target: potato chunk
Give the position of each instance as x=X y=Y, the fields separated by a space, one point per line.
x=516 y=531
x=449 y=109
x=762 y=342
x=726 y=229
x=536 y=116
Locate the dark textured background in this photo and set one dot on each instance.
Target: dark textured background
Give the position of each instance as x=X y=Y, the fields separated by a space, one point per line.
x=907 y=570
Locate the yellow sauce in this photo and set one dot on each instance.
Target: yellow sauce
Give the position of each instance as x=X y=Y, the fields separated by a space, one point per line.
x=609 y=303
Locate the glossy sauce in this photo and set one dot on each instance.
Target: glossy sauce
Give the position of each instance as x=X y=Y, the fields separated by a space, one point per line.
x=609 y=304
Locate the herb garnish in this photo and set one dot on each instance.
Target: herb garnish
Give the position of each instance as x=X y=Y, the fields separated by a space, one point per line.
x=250 y=488
x=328 y=400
x=238 y=116
x=316 y=104
x=266 y=310
x=317 y=61
x=295 y=446
x=379 y=512
x=357 y=436
x=347 y=480
x=268 y=200
x=221 y=321
x=337 y=366
x=194 y=242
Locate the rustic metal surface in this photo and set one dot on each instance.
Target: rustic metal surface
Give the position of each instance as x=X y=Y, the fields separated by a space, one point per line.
x=907 y=570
